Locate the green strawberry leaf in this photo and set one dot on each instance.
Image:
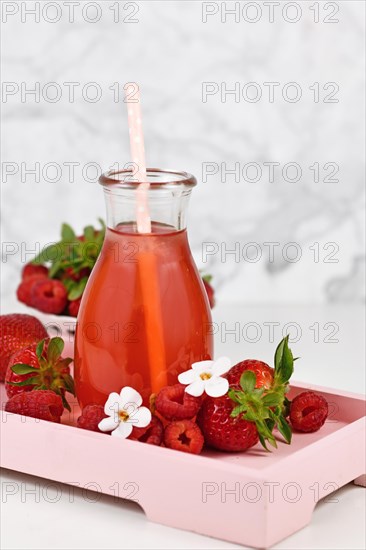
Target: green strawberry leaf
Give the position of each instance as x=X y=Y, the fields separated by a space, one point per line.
x=69 y=384
x=40 y=348
x=55 y=349
x=272 y=399
x=55 y=268
x=48 y=254
x=89 y=233
x=22 y=368
x=67 y=233
x=207 y=278
x=284 y=361
x=284 y=428
x=248 y=381
x=77 y=289
x=28 y=382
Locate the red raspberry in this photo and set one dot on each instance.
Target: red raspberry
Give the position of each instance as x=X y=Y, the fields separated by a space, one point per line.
x=70 y=273
x=308 y=412
x=263 y=372
x=43 y=404
x=90 y=417
x=152 y=434
x=184 y=435
x=49 y=296
x=74 y=306
x=29 y=270
x=173 y=403
x=221 y=430
x=24 y=289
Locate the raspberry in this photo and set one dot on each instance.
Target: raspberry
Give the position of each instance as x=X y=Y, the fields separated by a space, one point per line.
x=24 y=289
x=74 y=306
x=90 y=417
x=308 y=412
x=173 y=403
x=70 y=273
x=152 y=434
x=29 y=270
x=43 y=404
x=221 y=430
x=184 y=435
x=49 y=296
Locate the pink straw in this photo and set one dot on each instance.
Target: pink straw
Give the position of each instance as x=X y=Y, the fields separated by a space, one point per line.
x=132 y=98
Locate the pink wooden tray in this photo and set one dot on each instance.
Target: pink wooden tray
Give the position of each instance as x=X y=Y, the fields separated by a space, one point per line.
x=254 y=498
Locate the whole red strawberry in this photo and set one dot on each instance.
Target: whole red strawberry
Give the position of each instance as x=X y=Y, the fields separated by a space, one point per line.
x=252 y=408
x=30 y=270
x=184 y=435
x=263 y=372
x=173 y=403
x=17 y=331
x=308 y=412
x=90 y=417
x=223 y=431
x=42 y=404
x=49 y=296
x=152 y=434
x=209 y=289
x=40 y=367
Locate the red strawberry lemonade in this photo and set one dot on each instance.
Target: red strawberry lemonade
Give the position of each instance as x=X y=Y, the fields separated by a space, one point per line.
x=119 y=321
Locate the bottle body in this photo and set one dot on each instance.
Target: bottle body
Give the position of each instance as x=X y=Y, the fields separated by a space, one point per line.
x=144 y=316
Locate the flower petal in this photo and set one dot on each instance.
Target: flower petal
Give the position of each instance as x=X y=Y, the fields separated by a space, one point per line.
x=123 y=430
x=216 y=386
x=188 y=377
x=112 y=404
x=128 y=396
x=108 y=424
x=222 y=365
x=141 y=418
x=202 y=366
x=196 y=388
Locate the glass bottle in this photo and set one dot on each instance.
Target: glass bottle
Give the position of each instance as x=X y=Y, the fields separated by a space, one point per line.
x=144 y=315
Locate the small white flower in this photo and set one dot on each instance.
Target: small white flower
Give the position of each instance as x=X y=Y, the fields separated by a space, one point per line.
x=205 y=376
x=124 y=413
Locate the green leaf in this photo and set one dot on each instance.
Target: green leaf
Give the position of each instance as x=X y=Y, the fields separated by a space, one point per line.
x=89 y=233
x=67 y=233
x=284 y=428
x=207 y=278
x=69 y=384
x=284 y=361
x=248 y=381
x=22 y=368
x=48 y=254
x=55 y=268
x=77 y=290
x=55 y=349
x=272 y=399
x=39 y=348
x=28 y=382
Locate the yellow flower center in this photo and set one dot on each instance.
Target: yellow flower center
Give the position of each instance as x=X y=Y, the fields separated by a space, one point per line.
x=123 y=416
x=205 y=375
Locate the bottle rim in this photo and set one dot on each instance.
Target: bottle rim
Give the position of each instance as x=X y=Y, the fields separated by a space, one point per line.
x=157 y=178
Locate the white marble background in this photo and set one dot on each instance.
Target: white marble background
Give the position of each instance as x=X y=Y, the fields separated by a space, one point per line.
x=171 y=52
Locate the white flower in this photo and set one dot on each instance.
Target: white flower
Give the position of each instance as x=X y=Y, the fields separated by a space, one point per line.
x=205 y=376
x=124 y=413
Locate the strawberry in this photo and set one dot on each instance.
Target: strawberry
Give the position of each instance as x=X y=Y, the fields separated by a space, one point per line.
x=234 y=421
x=90 y=417
x=221 y=430
x=210 y=291
x=308 y=412
x=152 y=434
x=17 y=331
x=173 y=403
x=30 y=270
x=184 y=435
x=42 y=404
x=40 y=367
x=263 y=373
x=49 y=296
x=74 y=306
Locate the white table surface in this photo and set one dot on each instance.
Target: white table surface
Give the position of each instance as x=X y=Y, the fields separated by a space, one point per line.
x=38 y=514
